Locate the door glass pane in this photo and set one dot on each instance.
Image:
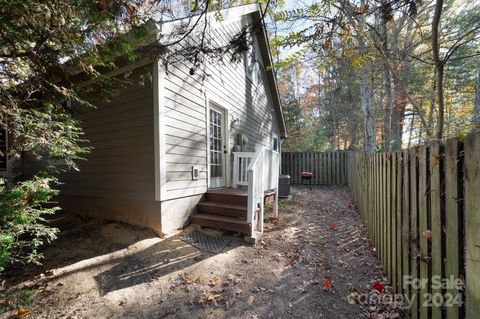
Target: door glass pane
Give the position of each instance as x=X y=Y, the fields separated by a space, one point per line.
x=216 y=144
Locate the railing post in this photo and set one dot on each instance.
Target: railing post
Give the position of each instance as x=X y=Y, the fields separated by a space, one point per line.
x=235 y=170
x=263 y=156
x=261 y=213
x=251 y=199
x=276 y=172
x=275 y=204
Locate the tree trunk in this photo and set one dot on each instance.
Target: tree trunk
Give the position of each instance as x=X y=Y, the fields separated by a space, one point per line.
x=398 y=111
x=365 y=100
x=387 y=115
x=412 y=122
x=476 y=110
x=440 y=68
x=433 y=94
x=365 y=93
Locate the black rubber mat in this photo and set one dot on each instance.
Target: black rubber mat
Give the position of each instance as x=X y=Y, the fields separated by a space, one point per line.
x=205 y=242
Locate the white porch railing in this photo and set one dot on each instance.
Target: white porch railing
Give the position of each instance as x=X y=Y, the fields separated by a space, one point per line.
x=241 y=161
x=259 y=171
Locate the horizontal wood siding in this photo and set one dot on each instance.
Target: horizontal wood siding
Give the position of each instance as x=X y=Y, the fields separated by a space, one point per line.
x=122 y=161
x=121 y=164
x=225 y=83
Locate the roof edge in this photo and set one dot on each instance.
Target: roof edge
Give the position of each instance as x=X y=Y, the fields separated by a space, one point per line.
x=168 y=27
x=271 y=78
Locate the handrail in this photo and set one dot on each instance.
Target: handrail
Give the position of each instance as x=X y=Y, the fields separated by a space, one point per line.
x=259 y=176
x=256 y=191
x=256 y=158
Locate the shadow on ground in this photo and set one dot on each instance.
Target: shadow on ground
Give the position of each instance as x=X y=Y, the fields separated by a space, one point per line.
x=137 y=254
x=80 y=238
x=152 y=263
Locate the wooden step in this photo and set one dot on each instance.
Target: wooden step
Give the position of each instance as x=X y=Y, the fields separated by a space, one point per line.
x=222 y=222
x=229 y=198
x=223 y=209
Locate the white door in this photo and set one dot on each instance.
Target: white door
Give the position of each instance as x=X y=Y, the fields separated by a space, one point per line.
x=218 y=149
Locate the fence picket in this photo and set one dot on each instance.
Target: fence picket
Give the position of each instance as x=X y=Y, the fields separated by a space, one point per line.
x=436 y=216
x=424 y=230
x=472 y=224
x=453 y=219
x=388 y=228
x=406 y=225
x=414 y=244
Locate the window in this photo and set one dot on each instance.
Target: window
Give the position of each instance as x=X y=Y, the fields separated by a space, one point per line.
x=3 y=149
x=275 y=146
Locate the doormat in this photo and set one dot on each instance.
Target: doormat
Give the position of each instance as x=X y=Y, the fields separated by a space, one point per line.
x=205 y=242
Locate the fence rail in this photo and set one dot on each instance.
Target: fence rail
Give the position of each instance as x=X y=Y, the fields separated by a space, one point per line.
x=421 y=207
x=327 y=168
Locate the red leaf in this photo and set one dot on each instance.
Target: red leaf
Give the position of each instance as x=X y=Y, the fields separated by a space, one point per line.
x=378 y=287
x=326 y=282
x=350 y=206
x=333 y=226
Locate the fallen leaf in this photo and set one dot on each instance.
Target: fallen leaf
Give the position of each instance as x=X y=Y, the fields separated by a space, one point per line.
x=213 y=282
x=333 y=226
x=213 y=297
x=326 y=282
x=378 y=287
x=23 y=312
x=349 y=206
x=352 y=299
x=394 y=315
x=250 y=300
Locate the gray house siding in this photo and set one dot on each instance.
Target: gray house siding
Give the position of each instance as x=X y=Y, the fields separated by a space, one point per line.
x=146 y=140
x=121 y=162
x=117 y=180
x=186 y=97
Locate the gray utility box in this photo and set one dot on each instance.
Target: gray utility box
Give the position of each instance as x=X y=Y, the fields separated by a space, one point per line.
x=284 y=186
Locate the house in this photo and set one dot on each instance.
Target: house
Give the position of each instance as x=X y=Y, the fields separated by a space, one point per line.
x=202 y=147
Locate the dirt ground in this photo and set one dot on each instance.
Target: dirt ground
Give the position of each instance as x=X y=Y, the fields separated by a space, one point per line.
x=314 y=262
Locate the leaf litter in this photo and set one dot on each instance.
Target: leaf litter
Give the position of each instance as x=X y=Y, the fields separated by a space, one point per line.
x=315 y=261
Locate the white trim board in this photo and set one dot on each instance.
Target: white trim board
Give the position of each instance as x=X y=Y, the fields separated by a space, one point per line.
x=211 y=99
x=159 y=132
